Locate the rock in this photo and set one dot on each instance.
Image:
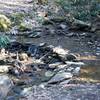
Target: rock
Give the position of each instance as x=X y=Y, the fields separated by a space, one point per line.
x=70 y=69
x=5 y=86
x=26 y=91
x=25 y=26
x=54 y=65
x=47 y=22
x=71 y=34
x=61 y=53
x=58 y=19
x=78 y=24
x=62 y=66
x=74 y=63
x=59 y=77
x=71 y=57
x=49 y=74
x=42 y=44
x=37 y=61
x=76 y=71
x=65 y=82
x=23 y=57
x=5 y=23
x=63 y=26
x=4 y=68
x=34 y=34
x=42 y=85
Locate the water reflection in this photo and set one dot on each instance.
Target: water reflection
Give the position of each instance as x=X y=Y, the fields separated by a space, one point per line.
x=90 y=73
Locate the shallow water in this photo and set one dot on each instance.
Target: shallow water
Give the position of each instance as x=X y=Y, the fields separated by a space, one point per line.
x=90 y=73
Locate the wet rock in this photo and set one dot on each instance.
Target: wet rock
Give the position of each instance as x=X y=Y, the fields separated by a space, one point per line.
x=65 y=82
x=62 y=66
x=4 y=68
x=74 y=63
x=5 y=86
x=54 y=65
x=98 y=51
x=71 y=57
x=26 y=91
x=34 y=35
x=49 y=74
x=61 y=53
x=59 y=77
x=76 y=71
x=62 y=26
x=70 y=69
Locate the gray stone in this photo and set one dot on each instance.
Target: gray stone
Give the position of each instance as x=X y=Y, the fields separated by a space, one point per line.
x=5 y=86
x=60 y=76
x=55 y=65
x=26 y=91
x=49 y=74
x=76 y=71
x=74 y=63
x=63 y=26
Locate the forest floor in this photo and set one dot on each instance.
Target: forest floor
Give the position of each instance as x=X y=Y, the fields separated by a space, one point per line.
x=84 y=85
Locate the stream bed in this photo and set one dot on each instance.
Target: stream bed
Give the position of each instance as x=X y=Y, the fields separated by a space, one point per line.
x=34 y=85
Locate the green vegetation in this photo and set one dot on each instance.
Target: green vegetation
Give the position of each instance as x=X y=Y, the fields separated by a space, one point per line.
x=5 y=23
x=81 y=9
x=4 y=40
x=17 y=18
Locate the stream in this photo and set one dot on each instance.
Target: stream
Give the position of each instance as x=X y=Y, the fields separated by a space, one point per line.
x=71 y=68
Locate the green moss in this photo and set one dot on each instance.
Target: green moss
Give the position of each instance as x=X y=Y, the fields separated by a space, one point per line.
x=24 y=27
x=5 y=23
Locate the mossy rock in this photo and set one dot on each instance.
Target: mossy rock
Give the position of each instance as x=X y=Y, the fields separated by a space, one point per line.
x=24 y=27
x=5 y=23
